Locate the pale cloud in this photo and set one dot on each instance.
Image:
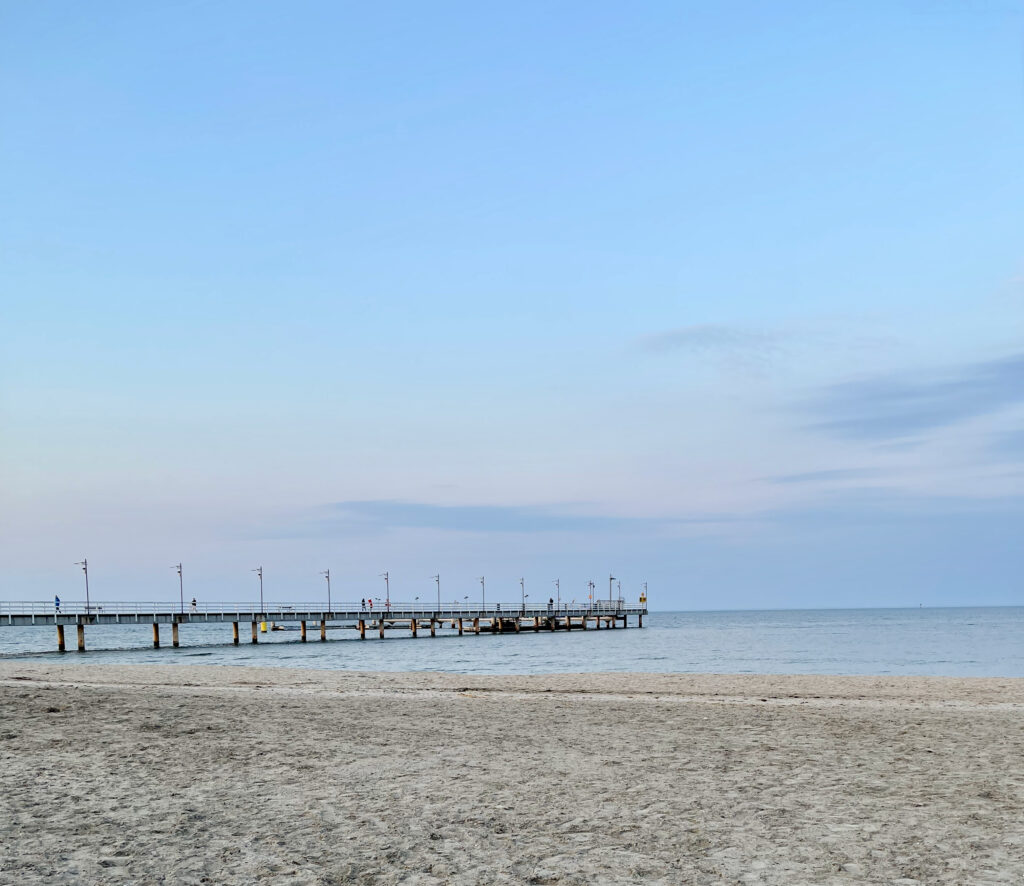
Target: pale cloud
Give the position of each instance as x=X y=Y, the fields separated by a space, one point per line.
x=897 y=406
x=708 y=337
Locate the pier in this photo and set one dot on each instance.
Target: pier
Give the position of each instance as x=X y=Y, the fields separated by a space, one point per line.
x=498 y=618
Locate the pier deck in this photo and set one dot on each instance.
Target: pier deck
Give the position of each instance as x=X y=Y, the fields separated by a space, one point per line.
x=496 y=618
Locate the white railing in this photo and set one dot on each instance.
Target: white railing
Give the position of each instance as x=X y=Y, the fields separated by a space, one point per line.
x=369 y=607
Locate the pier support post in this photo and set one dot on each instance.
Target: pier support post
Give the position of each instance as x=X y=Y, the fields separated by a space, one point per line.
x=380 y=626
x=60 y=638
x=551 y=623
x=234 y=632
x=640 y=620
x=583 y=622
x=568 y=622
x=255 y=637
x=515 y=621
x=413 y=626
x=432 y=634
x=536 y=623
x=174 y=635
x=323 y=630
x=476 y=625
x=156 y=635
x=362 y=629
x=81 y=637
x=460 y=627
x=302 y=631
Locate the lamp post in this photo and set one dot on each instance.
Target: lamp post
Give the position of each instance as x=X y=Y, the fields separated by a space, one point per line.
x=522 y=590
x=327 y=574
x=84 y=563
x=558 y=593
x=259 y=572
x=611 y=578
x=181 y=589
x=437 y=578
x=483 y=594
x=387 y=589
x=590 y=592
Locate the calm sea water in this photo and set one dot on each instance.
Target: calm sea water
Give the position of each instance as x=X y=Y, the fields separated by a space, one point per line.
x=966 y=642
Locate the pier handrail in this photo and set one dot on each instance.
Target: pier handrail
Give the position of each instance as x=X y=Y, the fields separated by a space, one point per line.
x=453 y=609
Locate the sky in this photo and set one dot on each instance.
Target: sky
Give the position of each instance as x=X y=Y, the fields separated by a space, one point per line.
x=726 y=298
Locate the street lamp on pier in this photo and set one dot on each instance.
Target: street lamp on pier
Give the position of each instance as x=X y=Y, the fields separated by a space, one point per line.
x=84 y=563
x=327 y=574
x=483 y=594
x=558 y=593
x=181 y=589
x=259 y=572
x=437 y=578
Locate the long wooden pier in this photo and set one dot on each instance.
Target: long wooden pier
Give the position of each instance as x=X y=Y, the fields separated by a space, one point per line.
x=498 y=618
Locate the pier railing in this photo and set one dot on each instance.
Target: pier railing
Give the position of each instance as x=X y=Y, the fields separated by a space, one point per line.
x=344 y=608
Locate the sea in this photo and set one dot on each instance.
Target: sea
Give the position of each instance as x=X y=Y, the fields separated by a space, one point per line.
x=952 y=642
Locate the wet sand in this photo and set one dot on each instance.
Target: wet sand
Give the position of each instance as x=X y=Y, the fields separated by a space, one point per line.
x=166 y=774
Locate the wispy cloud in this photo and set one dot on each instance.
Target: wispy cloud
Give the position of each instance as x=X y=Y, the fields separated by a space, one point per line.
x=708 y=337
x=891 y=407
x=829 y=476
x=382 y=515
x=1010 y=443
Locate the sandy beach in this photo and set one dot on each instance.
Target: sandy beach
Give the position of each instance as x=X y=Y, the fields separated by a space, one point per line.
x=166 y=774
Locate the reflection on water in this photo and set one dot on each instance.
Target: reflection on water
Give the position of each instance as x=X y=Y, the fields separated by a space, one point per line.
x=951 y=642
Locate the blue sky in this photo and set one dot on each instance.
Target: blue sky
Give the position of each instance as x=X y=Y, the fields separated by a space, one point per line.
x=728 y=298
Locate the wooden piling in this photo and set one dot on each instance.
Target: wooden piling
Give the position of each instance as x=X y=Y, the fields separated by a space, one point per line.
x=255 y=637
x=640 y=620
x=568 y=622
x=362 y=629
x=156 y=635
x=536 y=623
x=476 y=625
x=460 y=627
x=323 y=630
x=413 y=626
x=380 y=626
x=583 y=622
x=551 y=623
x=302 y=631
x=174 y=635
x=234 y=632
x=515 y=621
x=81 y=637
x=60 y=638
x=432 y=633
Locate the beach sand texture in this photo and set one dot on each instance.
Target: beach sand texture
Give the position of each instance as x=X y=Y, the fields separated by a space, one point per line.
x=182 y=775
